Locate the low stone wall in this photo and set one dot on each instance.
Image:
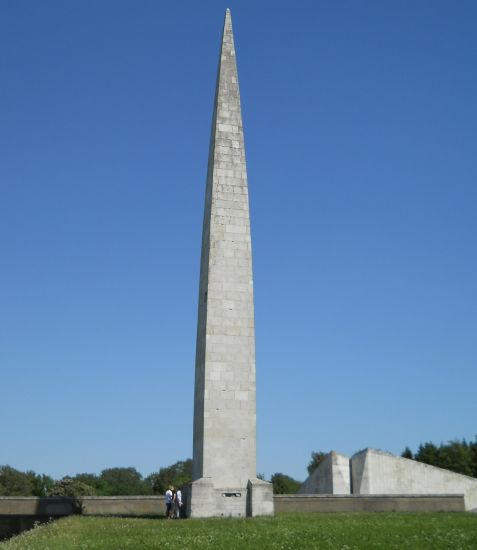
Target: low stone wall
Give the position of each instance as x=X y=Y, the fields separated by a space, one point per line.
x=89 y=506
x=34 y=506
x=154 y=505
x=123 y=506
x=369 y=503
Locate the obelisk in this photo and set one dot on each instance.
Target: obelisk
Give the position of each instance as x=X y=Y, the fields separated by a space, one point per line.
x=224 y=455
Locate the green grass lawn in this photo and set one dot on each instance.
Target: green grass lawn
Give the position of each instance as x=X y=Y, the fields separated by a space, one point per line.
x=294 y=531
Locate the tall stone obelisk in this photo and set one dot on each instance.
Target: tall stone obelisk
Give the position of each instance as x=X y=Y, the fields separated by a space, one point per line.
x=224 y=457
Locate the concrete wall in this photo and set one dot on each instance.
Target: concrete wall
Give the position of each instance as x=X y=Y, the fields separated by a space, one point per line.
x=11 y=507
x=65 y=506
x=373 y=503
x=123 y=506
x=378 y=472
x=33 y=506
x=331 y=477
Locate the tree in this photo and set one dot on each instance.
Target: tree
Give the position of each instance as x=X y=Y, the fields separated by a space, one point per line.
x=41 y=484
x=122 y=481
x=428 y=453
x=284 y=485
x=14 y=483
x=473 y=454
x=407 y=453
x=69 y=487
x=177 y=474
x=456 y=456
x=93 y=480
x=317 y=458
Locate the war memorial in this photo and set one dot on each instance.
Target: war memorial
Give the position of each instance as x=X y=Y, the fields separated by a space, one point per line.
x=224 y=480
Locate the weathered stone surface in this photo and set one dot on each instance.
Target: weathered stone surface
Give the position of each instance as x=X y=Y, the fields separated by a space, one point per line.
x=378 y=472
x=369 y=503
x=123 y=506
x=260 y=498
x=35 y=506
x=65 y=506
x=332 y=476
x=200 y=499
x=224 y=450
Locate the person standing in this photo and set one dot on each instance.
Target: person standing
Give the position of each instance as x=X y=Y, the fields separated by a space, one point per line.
x=177 y=504
x=168 y=501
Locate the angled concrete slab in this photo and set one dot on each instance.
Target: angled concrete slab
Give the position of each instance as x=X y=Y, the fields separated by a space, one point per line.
x=332 y=476
x=377 y=472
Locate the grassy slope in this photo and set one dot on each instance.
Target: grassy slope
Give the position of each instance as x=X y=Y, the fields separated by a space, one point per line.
x=284 y=531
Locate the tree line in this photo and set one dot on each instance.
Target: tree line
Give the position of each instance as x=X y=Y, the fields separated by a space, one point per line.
x=110 y=482
x=114 y=482
x=457 y=456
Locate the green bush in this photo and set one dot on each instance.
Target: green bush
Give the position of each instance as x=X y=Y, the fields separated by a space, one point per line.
x=69 y=487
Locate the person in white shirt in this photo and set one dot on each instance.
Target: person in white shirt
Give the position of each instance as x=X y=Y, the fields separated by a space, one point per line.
x=168 y=500
x=177 y=505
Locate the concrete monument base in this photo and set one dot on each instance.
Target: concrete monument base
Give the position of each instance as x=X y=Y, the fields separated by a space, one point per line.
x=260 y=498
x=203 y=500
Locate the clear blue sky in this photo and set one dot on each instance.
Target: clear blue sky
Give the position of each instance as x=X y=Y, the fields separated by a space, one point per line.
x=361 y=133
